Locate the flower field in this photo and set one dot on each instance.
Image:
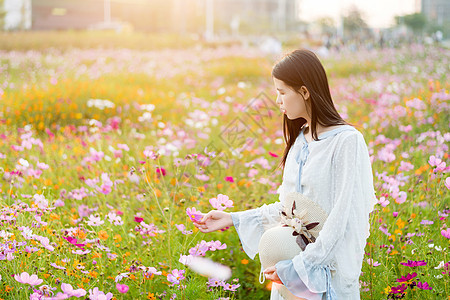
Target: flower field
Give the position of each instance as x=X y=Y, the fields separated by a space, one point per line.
x=107 y=155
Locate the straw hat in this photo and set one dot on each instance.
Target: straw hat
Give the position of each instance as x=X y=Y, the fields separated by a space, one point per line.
x=301 y=221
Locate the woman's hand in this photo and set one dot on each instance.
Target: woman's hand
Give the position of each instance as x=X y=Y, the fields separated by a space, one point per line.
x=214 y=220
x=271 y=274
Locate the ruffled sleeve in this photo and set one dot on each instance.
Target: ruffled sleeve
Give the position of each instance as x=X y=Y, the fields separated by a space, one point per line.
x=347 y=226
x=251 y=224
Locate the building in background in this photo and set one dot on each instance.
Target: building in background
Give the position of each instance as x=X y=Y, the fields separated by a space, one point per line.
x=437 y=11
x=17 y=14
x=182 y=16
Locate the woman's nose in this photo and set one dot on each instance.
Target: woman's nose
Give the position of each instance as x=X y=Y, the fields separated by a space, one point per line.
x=278 y=100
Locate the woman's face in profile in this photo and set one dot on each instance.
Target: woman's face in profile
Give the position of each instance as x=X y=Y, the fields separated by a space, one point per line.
x=291 y=103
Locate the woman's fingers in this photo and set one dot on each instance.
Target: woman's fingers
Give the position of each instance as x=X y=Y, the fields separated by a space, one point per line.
x=205 y=217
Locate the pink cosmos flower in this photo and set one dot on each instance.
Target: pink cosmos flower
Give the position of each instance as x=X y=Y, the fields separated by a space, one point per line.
x=73 y=241
x=27 y=279
x=213 y=282
x=194 y=214
x=383 y=201
x=412 y=263
x=122 y=288
x=229 y=179
x=150 y=154
x=408 y=277
x=69 y=291
x=95 y=294
x=447 y=182
x=423 y=286
x=446 y=233
x=94 y=221
x=230 y=287
x=185 y=259
x=35 y=296
x=176 y=276
x=273 y=154
x=216 y=245
x=182 y=228
x=161 y=171
x=400 y=197
x=221 y=202
x=426 y=222
x=371 y=262
x=436 y=162
x=398 y=289
x=57 y=267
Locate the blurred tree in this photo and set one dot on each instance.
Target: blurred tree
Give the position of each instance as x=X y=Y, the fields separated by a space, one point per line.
x=416 y=22
x=2 y=15
x=354 y=23
x=327 y=25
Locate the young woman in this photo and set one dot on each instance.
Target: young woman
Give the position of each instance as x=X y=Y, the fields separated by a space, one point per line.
x=326 y=160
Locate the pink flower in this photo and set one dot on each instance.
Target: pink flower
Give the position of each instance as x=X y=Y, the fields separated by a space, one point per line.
x=446 y=233
x=94 y=221
x=412 y=263
x=161 y=171
x=95 y=294
x=27 y=279
x=395 y=214
x=176 y=276
x=273 y=154
x=437 y=162
x=399 y=289
x=230 y=287
x=122 y=288
x=447 y=182
x=229 y=179
x=371 y=262
x=35 y=296
x=221 y=202
x=194 y=214
x=407 y=277
x=426 y=222
x=73 y=241
x=57 y=267
x=182 y=228
x=400 y=197
x=69 y=291
x=423 y=286
x=150 y=154
x=138 y=219
x=383 y=201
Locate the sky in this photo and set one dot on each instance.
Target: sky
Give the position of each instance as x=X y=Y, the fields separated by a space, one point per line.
x=377 y=13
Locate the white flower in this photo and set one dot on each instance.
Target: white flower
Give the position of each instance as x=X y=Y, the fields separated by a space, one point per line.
x=24 y=162
x=440 y=266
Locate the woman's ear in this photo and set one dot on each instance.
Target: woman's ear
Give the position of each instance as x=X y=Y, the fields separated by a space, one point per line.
x=304 y=91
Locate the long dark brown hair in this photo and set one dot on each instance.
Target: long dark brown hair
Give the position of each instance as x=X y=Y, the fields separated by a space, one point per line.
x=302 y=68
